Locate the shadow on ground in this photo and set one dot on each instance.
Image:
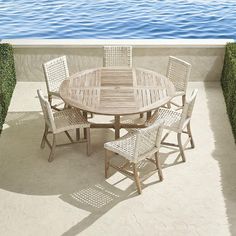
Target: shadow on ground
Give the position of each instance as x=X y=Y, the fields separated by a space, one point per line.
x=77 y=179
x=224 y=150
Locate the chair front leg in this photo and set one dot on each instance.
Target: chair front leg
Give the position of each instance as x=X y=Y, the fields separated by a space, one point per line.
x=181 y=147
x=44 y=136
x=190 y=135
x=183 y=99
x=77 y=133
x=158 y=166
x=168 y=104
x=88 y=141
x=50 y=159
x=136 y=177
x=50 y=99
x=107 y=161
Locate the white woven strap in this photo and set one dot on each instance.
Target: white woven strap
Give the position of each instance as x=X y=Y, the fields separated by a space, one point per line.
x=55 y=72
x=47 y=111
x=117 y=56
x=178 y=72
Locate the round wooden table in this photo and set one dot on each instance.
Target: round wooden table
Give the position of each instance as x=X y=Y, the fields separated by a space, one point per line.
x=116 y=92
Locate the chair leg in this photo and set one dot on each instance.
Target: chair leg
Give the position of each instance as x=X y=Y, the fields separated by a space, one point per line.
x=158 y=165
x=85 y=114
x=183 y=99
x=181 y=147
x=168 y=105
x=77 y=132
x=190 y=135
x=136 y=177
x=141 y=115
x=50 y=159
x=88 y=141
x=50 y=99
x=44 y=136
x=107 y=161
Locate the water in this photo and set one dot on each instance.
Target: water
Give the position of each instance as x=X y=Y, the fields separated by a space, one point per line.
x=115 y=19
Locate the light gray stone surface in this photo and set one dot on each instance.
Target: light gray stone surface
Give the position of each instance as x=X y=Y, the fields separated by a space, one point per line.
x=71 y=197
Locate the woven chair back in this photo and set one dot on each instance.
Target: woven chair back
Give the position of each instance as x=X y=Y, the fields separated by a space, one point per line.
x=55 y=72
x=148 y=139
x=188 y=107
x=178 y=71
x=117 y=56
x=47 y=111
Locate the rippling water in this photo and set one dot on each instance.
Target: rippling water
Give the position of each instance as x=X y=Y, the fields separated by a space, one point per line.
x=118 y=19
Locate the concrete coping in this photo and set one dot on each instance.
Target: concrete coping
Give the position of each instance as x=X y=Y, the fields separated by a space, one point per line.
x=142 y=43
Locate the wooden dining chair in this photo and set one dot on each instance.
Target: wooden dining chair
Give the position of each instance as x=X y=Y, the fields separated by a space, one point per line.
x=55 y=71
x=178 y=71
x=178 y=122
x=135 y=147
x=117 y=56
x=62 y=121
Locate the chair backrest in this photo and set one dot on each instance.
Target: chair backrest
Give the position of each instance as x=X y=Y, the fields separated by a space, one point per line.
x=55 y=72
x=47 y=111
x=117 y=56
x=148 y=139
x=188 y=108
x=178 y=71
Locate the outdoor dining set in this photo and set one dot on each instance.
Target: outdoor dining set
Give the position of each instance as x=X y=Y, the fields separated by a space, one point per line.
x=118 y=89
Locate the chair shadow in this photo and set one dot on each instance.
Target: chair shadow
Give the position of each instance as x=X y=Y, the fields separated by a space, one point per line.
x=97 y=200
x=25 y=169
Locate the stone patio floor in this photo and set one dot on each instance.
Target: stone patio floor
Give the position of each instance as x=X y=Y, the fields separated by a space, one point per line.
x=70 y=196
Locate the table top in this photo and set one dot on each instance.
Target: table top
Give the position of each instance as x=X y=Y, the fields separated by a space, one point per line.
x=117 y=90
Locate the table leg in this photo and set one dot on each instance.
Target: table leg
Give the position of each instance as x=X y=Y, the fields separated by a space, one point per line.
x=149 y=114
x=77 y=134
x=85 y=114
x=117 y=127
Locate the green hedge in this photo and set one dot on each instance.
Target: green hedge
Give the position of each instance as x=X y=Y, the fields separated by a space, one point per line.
x=7 y=79
x=228 y=82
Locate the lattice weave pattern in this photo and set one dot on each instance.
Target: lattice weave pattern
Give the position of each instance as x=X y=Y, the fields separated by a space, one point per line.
x=61 y=120
x=55 y=71
x=69 y=119
x=47 y=111
x=178 y=72
x=174 y=120
x=171 y=118
x=117 y=56
x=135 y=145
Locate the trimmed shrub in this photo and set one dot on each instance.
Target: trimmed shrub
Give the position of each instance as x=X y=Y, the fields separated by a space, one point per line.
x=228 y=82
x=7 y=79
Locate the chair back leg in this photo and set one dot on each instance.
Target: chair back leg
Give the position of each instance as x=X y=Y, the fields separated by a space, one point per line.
x=158 y=166
x=88 y=141
x=107 y=161
x=181 y=148
x=190 y=135
x=51 y=156
x=44 y=136
x=136 y=177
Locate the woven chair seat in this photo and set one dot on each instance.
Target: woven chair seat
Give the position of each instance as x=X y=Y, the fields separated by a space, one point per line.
x=179 y=93
x=133 y=121
x=171 y=119
x=69 y=119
